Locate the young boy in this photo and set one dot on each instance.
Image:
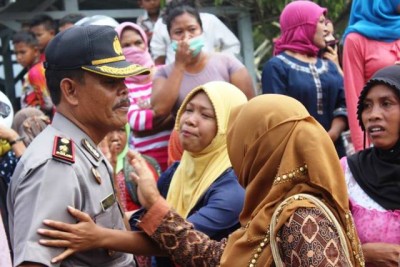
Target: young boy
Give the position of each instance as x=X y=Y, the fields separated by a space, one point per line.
x=69 y=21
x=150 y=16
x=44 y=29
x=34 y=90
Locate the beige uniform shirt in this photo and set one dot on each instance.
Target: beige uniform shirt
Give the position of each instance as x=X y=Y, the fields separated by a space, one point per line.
x=62 y=167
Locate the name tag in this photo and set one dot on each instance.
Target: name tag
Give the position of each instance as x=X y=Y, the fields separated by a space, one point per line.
x=108 y=201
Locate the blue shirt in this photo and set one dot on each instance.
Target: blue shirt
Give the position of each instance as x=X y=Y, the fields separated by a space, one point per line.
x=217 y=211
x=319 y=87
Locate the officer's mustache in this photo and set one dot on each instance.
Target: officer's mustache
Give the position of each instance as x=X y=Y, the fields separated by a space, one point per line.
x=125 y=102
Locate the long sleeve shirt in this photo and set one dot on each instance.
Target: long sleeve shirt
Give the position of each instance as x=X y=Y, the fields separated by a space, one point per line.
x=317 y=242
x=141 y=119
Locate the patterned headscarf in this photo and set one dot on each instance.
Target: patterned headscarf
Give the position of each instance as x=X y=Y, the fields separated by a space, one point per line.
x=285 y=153
x=298 y=22
x=29 y=122
x=22 y=115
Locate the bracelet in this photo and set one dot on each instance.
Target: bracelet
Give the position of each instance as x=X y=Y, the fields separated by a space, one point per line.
x=19 y=139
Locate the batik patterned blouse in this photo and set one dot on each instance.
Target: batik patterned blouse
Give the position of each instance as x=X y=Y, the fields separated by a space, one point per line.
x=307 y=239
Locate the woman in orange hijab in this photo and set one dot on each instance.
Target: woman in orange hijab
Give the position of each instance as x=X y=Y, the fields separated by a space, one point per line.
x=296 y=210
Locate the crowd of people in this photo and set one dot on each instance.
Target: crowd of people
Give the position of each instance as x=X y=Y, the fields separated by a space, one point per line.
x=146 y=144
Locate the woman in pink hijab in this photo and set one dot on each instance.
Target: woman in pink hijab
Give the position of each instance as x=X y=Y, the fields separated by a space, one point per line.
x=150 y=134
x=297 y=71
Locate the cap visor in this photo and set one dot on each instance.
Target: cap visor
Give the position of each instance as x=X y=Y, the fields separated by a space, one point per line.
x=119 y=69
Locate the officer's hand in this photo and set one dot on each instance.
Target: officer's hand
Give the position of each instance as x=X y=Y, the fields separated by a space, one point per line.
x=75 y=237
x=146 y=185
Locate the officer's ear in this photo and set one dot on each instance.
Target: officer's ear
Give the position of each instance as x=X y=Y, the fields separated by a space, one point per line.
x=69 y=91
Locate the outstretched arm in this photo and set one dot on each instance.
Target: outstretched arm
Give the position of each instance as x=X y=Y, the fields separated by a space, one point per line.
x=86 y=235
x=188 y=247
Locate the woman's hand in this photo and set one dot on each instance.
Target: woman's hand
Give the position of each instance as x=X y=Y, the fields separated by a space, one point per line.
x=146 y=185
x=332 y=55
x=382 y=254
x=8 y=133
x=183 y=54
x=143 y=103
x=82 y=236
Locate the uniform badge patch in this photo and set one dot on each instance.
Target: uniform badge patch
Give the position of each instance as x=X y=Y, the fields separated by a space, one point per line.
x=63 y=149
x=107 y=202
x=91 y=149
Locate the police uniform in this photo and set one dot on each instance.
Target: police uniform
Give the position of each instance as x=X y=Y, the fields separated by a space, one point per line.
x=62 y=167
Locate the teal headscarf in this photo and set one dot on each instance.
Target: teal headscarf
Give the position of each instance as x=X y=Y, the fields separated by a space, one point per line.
x=121 y=156
x=375 y=19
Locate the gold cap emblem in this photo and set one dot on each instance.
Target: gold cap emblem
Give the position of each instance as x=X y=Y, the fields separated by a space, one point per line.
x=117 y=46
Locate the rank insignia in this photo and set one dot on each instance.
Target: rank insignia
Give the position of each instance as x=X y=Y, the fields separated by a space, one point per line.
x=96 y=175
x=63 y=149
x=91 y=149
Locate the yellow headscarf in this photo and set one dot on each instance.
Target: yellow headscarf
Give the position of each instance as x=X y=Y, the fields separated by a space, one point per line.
x=278 y=150
x=197 y=171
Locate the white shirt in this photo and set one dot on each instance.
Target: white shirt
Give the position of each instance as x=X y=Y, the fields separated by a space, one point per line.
x=216 y=35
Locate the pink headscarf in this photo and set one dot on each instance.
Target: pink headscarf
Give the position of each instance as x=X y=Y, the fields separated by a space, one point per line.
x=298 y=22
x=133 y=54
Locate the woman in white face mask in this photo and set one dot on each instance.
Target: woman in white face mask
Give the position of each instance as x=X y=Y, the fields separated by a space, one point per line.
x=192 y=66
x=150 y=135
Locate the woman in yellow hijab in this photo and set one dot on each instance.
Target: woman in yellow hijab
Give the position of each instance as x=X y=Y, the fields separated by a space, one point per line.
x=296 y=210
x=203 y=187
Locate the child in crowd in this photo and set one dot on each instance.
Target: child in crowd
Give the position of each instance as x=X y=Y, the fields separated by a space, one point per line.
x=44 y=29
x=34 y=89
x=149 y=17
x=69 y=21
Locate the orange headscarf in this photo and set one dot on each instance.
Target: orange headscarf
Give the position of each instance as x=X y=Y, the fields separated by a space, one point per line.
x=270 y=140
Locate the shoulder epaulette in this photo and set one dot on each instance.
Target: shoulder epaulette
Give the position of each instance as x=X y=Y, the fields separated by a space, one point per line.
x=63 y=149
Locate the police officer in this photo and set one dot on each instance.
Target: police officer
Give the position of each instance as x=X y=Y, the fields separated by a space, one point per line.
x=85 y=71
